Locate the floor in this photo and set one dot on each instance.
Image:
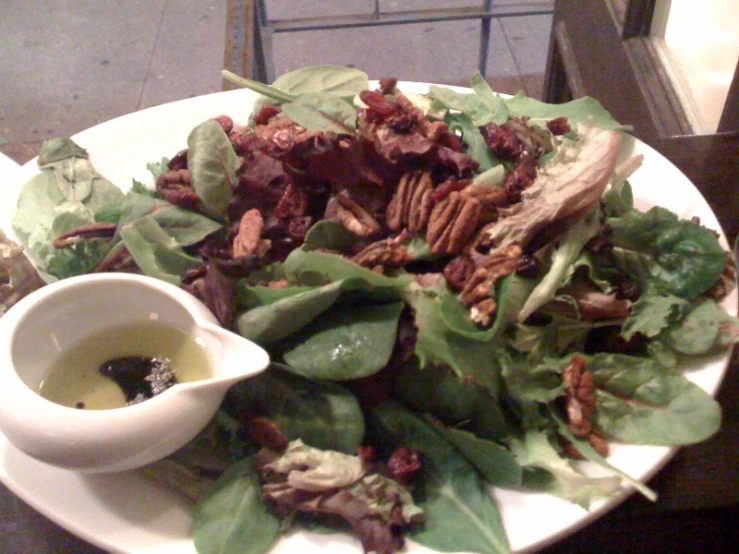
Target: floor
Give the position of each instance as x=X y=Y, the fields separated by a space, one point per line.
x=70 y=64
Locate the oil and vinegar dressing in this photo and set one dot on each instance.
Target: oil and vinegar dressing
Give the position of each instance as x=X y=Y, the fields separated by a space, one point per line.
x=124 y=365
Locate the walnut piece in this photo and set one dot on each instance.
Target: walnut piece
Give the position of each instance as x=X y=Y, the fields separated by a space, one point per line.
x=410 y=206
x=452 y=223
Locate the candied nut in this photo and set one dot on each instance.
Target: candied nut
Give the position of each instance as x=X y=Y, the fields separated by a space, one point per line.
x=384 y=253
x=579 y=396
x=355 y=218
x=410 y=206
x=502 y=141
x=490 y=268
x=452 y=223
x=458 y=271
x=491 y=198
x=482 y=312
x=248 y=240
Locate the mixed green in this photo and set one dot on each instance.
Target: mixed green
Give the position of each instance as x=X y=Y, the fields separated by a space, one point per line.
x=455 y=289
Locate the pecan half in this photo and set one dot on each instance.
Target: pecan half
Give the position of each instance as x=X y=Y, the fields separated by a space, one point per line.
x=355 y=218
x=476 y=292
x=452 y=223
x=491 y=198
x=383 y=253
x=579 y=396
x=410 y=206
x=249 y=240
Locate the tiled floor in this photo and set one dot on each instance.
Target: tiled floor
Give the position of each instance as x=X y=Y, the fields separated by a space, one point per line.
x=70 y=64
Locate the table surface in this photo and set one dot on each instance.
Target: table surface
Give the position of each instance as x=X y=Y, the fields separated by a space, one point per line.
x=698 y=490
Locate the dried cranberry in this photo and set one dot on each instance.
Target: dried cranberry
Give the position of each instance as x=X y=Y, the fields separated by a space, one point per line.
x=298 y=227
x=403 y=463
x=559 y=126
x=265 y=113
x=503 y=142
x=294 y=202
x=377 y=103
x=226 y=123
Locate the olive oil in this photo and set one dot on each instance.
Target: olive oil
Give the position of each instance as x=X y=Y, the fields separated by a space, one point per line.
x=75 y=379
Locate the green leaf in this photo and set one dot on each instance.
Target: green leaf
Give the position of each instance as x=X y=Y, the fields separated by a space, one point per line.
x=457 y=402
x=619 y=200
x=231 y=517
x=322 y=112
x=309 y=267
x=589 y=453
x=535 y=452
x=462 y=125
x=653 y=313
x=345 y=342
x=459 y=513
x=496 y=463
x=155 y=252
x=497 y=111
x=676 y=256
x=345 y=82
x=321 y=413
x=698 y=332
x=639 y=401
x=581 y=110
x=282 y=317
x=569 y=246
x=212 y=162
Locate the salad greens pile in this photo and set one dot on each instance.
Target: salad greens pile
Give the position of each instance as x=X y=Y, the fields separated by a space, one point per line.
x=385 y=380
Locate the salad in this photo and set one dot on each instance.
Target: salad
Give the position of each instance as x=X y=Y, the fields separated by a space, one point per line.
x=455 y=289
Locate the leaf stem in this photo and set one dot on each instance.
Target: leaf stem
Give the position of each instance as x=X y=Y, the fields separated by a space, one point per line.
x=256 y=86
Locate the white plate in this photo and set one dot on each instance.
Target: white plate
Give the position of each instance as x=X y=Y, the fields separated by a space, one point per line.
x=127 y=513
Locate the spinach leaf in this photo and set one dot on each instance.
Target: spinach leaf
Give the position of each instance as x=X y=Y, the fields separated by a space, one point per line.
x=460 y=514
x=322 y=112
x=323 y=414
x=67 y=193
x=589 y=453
x=700 y=331
x=438 y=391
x=345 y=82
x=329 y=234
x=310 y=267
x=582 y=110
x=495 y=462
x=345 y=342
x=231 y=518
x=271 y=322
x=155 y=252
x=212 y=162
x=676 y=256
x=640 y=401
